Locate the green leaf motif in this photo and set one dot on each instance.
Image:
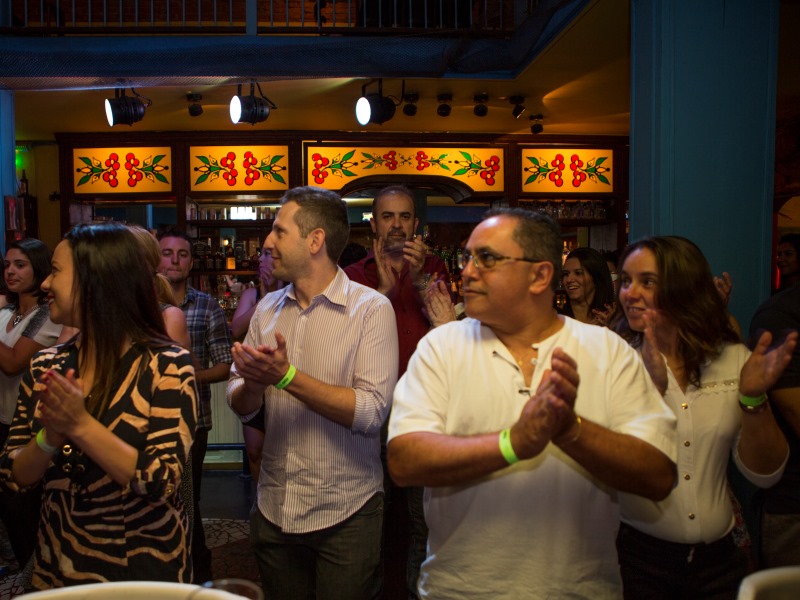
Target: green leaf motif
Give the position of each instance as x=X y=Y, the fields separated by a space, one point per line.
x=158 y=159
x=278 y=178
x=534 y=160
x=466 y=155
x=202 y=178
x=460 y=172
x=84 y=179
x=202 y=159
x=602 y=178
x=161 y=178
x=601 y=160
x=85 y=160
x=530 y=179
x=275 y=159
x=348 y=156
x=348 y=173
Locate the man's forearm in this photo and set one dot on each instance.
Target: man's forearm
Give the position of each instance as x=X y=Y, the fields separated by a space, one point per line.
x=623 y=462
x=219 y=372
x=434 y=459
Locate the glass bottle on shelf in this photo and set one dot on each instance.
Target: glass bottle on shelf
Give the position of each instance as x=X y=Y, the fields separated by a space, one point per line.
x=219 y=260
x=23 y=184
x=209 y=257
x=230 y=259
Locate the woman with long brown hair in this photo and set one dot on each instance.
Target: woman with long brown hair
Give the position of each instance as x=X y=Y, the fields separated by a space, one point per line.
x=105 y=421
x=670 y=309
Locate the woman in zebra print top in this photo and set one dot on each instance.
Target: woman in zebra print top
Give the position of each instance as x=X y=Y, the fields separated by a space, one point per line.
x=105 y=421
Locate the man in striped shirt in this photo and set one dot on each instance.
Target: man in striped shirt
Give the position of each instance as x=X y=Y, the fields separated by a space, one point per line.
x=322 y=355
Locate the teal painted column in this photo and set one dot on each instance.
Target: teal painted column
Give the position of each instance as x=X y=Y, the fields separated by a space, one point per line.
x=703 y=88
x=8 y=172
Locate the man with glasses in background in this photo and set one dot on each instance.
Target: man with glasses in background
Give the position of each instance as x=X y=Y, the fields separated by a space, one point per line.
x=522 y=458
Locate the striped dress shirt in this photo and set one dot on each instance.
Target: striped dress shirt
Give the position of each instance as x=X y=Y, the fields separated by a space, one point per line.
x=316 y=473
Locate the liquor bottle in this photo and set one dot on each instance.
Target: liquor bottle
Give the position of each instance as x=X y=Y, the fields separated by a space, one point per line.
x=23 y=185
x=209 y=262
x=219 y=259
x=230 y=258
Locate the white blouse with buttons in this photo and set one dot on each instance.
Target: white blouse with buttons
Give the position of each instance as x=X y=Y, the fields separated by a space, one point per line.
x=709 y=422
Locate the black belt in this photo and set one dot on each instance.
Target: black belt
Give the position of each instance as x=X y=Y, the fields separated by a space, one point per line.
x=680 y=552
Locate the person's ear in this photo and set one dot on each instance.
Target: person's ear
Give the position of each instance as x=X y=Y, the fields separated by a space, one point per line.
x=316 y=240
x=542 y=274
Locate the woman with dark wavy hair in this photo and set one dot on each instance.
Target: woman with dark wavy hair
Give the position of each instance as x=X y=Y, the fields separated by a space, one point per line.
x=587 y=281
x=670 y=309
x=105 y=421
x=25 y=329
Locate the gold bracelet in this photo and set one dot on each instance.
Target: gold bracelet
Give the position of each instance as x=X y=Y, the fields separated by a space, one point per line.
x=579 y=421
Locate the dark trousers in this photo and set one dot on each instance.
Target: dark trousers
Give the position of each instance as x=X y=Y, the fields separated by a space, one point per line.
x=654 y=569
x=21 y=514
x=338 y=563
x=201 y=555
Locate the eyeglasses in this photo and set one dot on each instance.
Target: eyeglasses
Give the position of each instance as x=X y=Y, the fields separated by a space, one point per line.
x=483 y=259
x=263 y=253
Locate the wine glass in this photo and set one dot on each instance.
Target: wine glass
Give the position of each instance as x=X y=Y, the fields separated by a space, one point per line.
x=228 y=589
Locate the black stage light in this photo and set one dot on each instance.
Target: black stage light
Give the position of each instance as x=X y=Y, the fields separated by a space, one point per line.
x=519 y=108
x=125 y=110
x=444 y=107
x=195 y=108
x=410 y=106
x=537 y=126
x=374 y=108
x=481 y=109
x=250 y=109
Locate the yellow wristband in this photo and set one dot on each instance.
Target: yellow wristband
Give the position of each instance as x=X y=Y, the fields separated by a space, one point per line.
x=41 y=441
x=505 y=447
x=287 y=379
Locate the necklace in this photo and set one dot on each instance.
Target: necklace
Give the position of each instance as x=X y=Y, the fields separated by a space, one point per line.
x=19 y=316
x=534 y=361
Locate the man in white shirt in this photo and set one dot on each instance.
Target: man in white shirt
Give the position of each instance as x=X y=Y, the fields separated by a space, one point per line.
x=521 y=487
x=321 y=354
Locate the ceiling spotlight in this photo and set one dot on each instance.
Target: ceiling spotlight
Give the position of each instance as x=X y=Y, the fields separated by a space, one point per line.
x=374 y=108
x=125 y=110
x=250 y=109
x=481 y=109
x=537 y=126
x=410 y=106
x=195 y=108
x=518 y=106
x=444 y=105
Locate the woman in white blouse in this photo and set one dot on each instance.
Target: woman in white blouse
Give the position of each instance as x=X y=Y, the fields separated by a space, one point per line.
x=25 y=328
x=682 y=546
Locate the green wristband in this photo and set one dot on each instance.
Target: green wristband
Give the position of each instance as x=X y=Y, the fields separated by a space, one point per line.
x=41 y=441
x=751 y=401
x=505 y=447
x=287 y=379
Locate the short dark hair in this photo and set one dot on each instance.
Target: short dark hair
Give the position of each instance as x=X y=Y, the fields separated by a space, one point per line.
x=537 y=234
x=319 y=208
x=40 y=256
x=173 y=232
x=397 y=190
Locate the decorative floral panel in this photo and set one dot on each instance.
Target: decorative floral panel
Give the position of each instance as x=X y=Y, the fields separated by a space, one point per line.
x=122 y=170
x=238 y=168
x=482 y=169
x=567 y=170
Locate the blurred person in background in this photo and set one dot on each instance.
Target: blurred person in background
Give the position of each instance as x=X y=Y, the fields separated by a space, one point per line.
x=25 y=329
x=590 y=291
x=253 y=430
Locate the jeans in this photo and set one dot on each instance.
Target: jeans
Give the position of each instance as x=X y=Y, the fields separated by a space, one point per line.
x=201 y=555
x=338 y=563
x=654 y=569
